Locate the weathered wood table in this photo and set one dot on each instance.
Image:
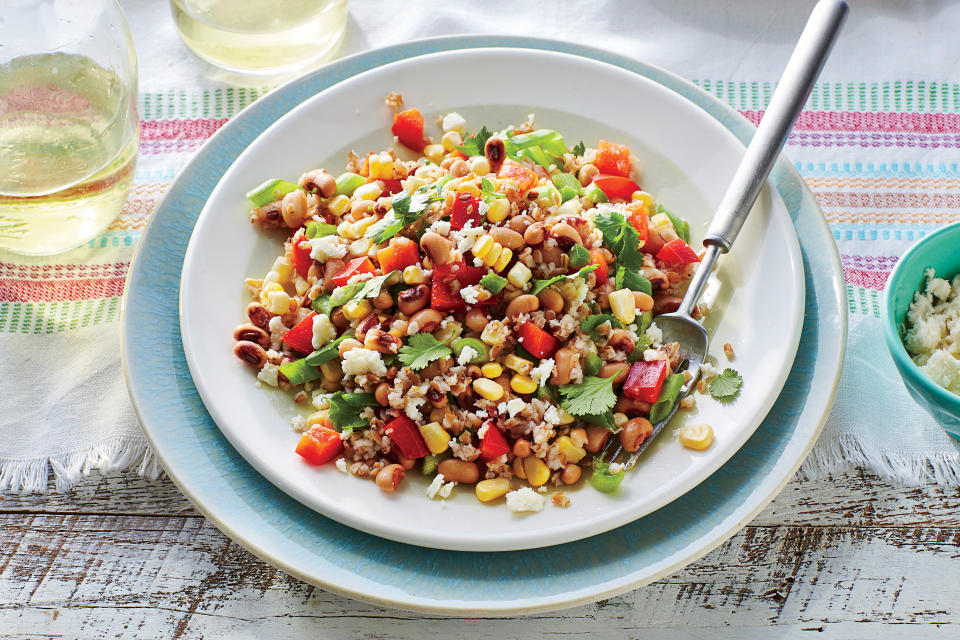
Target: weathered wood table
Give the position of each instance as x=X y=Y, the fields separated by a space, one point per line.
x=848 y=557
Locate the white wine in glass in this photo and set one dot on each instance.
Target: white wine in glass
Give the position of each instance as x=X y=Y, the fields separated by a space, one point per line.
x=68 y=127
x=258 y=37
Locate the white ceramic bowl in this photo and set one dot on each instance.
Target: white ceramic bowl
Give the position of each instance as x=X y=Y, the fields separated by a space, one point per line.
x=689 y=159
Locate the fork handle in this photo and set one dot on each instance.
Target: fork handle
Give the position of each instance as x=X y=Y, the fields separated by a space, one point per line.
x=791 y=93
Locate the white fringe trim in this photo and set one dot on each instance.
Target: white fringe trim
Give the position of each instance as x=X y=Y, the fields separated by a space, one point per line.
x=845 y=451
x=32 y=475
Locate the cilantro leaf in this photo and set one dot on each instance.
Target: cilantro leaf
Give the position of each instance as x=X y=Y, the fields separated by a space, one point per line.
x=356 y=291
x=487 y=189
x=540 y=285
x=493 y=283
x=326 y=353
x=579 y=149
x=621 y=238
x=421 y=350
x=726 y=386
x=593 y=396
x=604 y=419
x=632 y=280
x=407 y=209
x=579 y=256
x=474 y=145
x=590 y=323
x=345 y=409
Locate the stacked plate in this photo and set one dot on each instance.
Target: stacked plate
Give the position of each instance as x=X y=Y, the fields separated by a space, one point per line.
x=229 y=446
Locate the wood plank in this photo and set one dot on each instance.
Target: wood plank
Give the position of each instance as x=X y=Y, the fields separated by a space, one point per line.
x=98 y=576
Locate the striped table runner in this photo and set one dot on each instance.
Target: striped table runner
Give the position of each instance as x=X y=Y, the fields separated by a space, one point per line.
x=877 y=156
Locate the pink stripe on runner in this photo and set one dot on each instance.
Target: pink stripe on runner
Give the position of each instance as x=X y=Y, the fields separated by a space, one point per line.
x=867 y=279
x=180 y=129
x=59 y=290
x=871 y=121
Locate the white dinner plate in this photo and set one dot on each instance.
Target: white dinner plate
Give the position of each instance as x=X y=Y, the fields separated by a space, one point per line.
x=689 y=158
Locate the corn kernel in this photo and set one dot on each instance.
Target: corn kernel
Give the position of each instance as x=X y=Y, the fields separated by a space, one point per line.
x=505 y=257
x=381 y=167
x=494 y=333
x=360 y=247
x=479 y=165
x=492 y=489
x=497 y=210
x=338 y=205
x=345 y=230
x=357 y=309
x=434 y=153
x=331 y=371
x=318 y=417
x=620 y=419
x=645 y=198
x=536 y=471
x=369 y=191
x=360 y=226
x=414 y=274
x=450 y=140
x=523 y=384
x=413 y=183
x=565 y=418
x=519 y=275
x=283 y=269
x=518 y=364
x=696 y=436
x=482 y=246
x=493 y=254
x=571 y=207
x=436 y=437
x=623 y=306
x=491 y=370
x=278 y=302
x=662 y=224
x=453 y=121
x=569 y=450
x=272 y=277
x=488 y=389
x=471 y=188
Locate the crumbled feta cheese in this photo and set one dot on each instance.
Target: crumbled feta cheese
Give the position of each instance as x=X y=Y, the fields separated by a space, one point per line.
x=481 y=413
x=277 y=329
x=515 y=406
x=298 y=423
x=341 y=465
x=551 y=415
x=278 y=302
x=710 y=294
x=654 y=333
x=435 y=486
x=482 y=208
x=542 y=372
x=323 y=330
x=327 y=247
x=321 y=400
x=934 y=333
x=615 y=467
x=466 y=355
x=268 y=374
x=446 y=490
x=707 y=370
x=525 y=499
x=358 y=361
x=649 y=355
x=482 y=431
x=412 y=407
x=453 y=121
x=471 y=294
x=441 y=226
x=466 y=237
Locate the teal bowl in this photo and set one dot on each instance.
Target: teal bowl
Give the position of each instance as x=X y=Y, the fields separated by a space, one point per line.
x=940 y=251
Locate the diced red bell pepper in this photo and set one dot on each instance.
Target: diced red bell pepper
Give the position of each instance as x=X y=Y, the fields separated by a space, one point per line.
x=364 y=169
x=613 y=159
x=300 y=256
x=300 y=338
x=616 y=187
x=441 y=296
x=465 y=208
x=401 y=252
x=678 y=252
x=537 y=341
x=645 y=380
x=391 y=186
x=355 y=267
x=405 y=434
x=521 y=175
x=408 y=127
x=602 y=272
x=493 y=444
x=639 y=220
x=320 y=445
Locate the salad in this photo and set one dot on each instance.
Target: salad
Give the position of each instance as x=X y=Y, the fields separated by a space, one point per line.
x=479 y=309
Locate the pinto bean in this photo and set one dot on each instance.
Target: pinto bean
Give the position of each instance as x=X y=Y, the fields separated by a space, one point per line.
x=525 y=303
x=618 y=369
x=665 y=304
x=508 y=238
x=621 y=340
x=566 y=359
x=390 y=477
x=456 y=470
x=634 y=433
x=381 y=394
x=596 y=438
x=476 y=319
x=330 y=269
x=566 y=235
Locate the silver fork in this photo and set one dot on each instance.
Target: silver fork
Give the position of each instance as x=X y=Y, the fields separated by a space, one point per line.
x=795 y=84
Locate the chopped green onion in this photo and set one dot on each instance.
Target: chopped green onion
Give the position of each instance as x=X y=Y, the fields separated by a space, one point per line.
x=494 y=283
x=602 y=479
x=632 y=280
x=592 y=364
x=474 y=344
x=442 y=181
x=579 y=256
x=548 y=140
x=269 y=191
x=319 y=229
x=299 y=371
x=681 y=226
x=668 y=396
x=326 y=353
x=645 y=320
x=568 y=185
x=347 y=183
x=432 y=460
x=537 y=155
x=595 y=194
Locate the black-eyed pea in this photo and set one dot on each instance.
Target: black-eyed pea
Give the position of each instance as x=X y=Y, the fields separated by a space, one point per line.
x=439 y=249
x=617 y=369
x=551 y=300
x=634 y=433
x=596 y=438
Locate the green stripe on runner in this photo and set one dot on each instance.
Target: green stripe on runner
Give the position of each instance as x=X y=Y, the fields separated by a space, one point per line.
x=862 y=301
x=41 y=318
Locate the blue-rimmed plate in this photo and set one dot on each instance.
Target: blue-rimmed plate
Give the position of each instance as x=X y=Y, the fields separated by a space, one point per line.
x=307 y=545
